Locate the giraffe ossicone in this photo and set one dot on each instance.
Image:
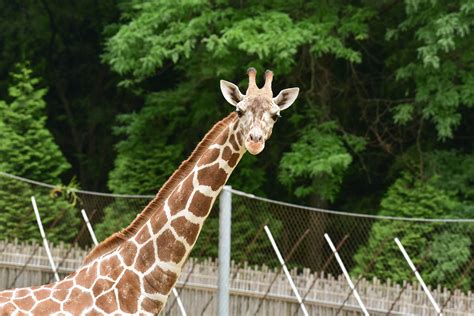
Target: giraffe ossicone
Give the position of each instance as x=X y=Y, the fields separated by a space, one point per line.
x=133 y=271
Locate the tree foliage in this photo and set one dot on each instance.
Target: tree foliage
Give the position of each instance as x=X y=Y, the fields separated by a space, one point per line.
x=353 y=121
x=437 y=68
x=28 y=149
x=63 y=42
x=318 y=161
x=382 y=123
x=411 y=198
x=205 y=41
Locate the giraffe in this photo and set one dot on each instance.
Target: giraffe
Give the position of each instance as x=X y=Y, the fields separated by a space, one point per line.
x=134 y=270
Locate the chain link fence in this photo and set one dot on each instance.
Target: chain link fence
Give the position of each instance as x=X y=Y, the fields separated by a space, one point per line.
x=441 y=249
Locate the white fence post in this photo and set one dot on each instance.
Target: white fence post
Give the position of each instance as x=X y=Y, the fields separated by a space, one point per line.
x=346 y=275
x=285 y=269
x=89 y=227
x=418 y=276
x=225 y=213
x=45 y=241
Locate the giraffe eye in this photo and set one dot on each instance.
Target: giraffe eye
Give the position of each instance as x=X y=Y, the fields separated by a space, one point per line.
x=275 y=116
x=240 y=113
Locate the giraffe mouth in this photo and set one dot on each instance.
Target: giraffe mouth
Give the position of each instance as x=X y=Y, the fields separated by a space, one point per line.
x=254 y=147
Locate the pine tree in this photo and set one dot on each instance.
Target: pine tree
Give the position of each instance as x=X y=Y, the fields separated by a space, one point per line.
x=28 y=149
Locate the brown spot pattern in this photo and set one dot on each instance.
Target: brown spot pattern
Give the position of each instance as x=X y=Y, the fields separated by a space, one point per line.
x=177 y=200
x=25 y=303
x=143 y=235
x=100 y=286
x=8 y=309
x=21 y=292
x=170 y=249
x=233 y=142
x=41 y=294
x=64 y=285
x=200 y=205
x=128 y=289
x=146 y=257
x=222 y=137
x=21 y=314
x=60 y=295
x=86 y=276
x=77 y=301
x=209 y=156
x=94 y=312
x=236 y=125
x=107 y=302
x=212 y=176
x=46 y=308
x=4 y=299
x=159 y=281
x=110 y=267
x=151 y=306
x=233 y=160
x=240 y=138
x=186 y=229
x=128 y=253
x=158 y=221
x=227 y=153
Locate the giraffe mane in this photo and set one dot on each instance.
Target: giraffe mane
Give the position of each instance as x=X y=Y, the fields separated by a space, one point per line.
x=115 y=240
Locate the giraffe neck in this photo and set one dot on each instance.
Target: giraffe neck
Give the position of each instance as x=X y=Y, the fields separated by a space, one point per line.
x=137 y=275
x=161 y=246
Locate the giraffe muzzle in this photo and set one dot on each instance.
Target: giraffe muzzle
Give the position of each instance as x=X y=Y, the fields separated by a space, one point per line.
x=255 y=141
x=254 y=147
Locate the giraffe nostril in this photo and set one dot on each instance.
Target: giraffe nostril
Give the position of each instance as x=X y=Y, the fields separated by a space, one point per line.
x=255 y=138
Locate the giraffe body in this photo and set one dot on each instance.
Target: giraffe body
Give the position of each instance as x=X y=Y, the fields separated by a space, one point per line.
x=134 y=271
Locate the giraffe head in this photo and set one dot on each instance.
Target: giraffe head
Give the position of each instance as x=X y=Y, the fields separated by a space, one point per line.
x=258 y=110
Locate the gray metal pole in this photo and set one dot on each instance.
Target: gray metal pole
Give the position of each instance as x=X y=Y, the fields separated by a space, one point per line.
x=225 y=212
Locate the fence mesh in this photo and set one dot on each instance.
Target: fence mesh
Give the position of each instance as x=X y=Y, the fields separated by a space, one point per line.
x=441 y=249
x=59 y=208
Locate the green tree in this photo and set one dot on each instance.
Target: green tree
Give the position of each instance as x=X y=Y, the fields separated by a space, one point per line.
x=426 y=242
x=318 y=161
x=352 y=110
x=192 y=44
x=63 y=41
x=435 y=65
x=28 y=149
x=386 y=89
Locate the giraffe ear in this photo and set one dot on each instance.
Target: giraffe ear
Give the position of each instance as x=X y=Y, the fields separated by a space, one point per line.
x=286 y=98
x=231 y=92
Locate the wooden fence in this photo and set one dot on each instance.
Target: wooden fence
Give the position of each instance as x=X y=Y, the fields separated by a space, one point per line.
x=248 y=287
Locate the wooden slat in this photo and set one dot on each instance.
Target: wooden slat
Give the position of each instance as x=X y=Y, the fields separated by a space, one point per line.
x=248 y=287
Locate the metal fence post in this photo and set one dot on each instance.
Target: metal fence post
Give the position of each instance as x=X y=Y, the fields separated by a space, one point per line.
x=225 y=212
